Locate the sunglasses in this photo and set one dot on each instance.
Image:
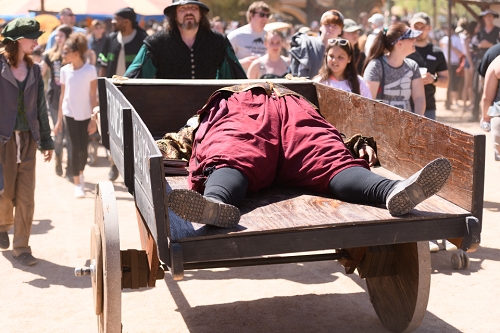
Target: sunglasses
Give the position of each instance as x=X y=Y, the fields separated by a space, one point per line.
x=262 y=15
x=340 y=41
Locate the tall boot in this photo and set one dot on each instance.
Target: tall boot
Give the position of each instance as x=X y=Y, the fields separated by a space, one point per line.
x=59 y=170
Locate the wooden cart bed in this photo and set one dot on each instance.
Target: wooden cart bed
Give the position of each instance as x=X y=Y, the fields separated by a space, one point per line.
x=391 y=252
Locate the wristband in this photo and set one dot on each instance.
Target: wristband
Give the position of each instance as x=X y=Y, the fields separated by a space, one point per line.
x=435 y=78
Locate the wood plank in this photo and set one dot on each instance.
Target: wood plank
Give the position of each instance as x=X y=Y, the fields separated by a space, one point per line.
x=244 y=245
x=285 y=208
x=405 y=141
x=148 y=244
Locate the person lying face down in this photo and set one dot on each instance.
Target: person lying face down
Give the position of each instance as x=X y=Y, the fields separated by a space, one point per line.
x=255 y=135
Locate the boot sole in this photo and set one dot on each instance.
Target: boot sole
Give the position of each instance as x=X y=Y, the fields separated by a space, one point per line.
x=193 y=207
x=429 y=181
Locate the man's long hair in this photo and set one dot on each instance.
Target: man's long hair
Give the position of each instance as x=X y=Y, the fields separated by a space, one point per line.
x=204 y=22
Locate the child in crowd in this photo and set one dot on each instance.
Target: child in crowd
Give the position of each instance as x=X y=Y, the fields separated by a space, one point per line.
x=52 y=63
x=78 y=98
x=339 y=69
x=272 y=64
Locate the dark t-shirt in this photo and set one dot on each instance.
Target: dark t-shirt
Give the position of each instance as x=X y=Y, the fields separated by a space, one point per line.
x=432 y=58
x=493 y=37
x=54 y=85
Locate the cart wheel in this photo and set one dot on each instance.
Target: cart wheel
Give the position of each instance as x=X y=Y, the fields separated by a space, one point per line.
x=465 y=259
x=456 y=261
x=400 y=300
x=106 y=229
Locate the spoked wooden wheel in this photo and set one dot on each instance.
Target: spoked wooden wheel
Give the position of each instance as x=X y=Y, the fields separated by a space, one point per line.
x=105 y=244
x=400 y=300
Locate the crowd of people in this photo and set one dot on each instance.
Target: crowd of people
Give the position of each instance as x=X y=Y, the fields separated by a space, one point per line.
x=400 y=64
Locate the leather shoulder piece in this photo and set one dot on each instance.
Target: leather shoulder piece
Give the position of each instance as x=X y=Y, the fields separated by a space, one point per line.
x=269 y=87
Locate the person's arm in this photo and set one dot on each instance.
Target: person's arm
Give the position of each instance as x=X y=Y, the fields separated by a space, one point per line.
x=418 y=96
x=59 y=124
x=254 y=69
x=46 y=142
x=92 y=127
x=142 y=66
x=439 y=80
x=373 y=87
x=45 y=68
x=490 y=89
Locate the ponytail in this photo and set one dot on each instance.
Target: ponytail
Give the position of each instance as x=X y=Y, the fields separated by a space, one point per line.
x=384 y=42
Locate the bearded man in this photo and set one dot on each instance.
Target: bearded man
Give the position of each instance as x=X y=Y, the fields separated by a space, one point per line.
x=187 y=49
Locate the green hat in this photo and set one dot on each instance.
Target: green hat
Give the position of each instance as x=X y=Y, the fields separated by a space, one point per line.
x=21 y=28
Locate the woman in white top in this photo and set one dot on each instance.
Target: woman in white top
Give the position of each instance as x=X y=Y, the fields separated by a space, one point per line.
x=78 y=98
x=271 y=65
x=339 y=68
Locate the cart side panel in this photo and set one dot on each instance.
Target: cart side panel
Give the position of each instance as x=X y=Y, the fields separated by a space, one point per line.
x=419 y=140
x=166 y=108
x=103 y=107
x=115 y=121
x=149 y=183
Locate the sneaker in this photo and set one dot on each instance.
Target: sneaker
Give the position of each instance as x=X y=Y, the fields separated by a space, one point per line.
x=194 y=207
x=79 y=192
x=420 y=186
x=433 y=246
x=26 y=259
x=113 y=173
x=449 y=246
x=4 y=241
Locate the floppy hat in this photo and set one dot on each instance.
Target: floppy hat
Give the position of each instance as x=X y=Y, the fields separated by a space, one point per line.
x=21 y=28
x=376 y=18
x=489 y=11
x=420 y=17
x=351 y=26
x=176 y=3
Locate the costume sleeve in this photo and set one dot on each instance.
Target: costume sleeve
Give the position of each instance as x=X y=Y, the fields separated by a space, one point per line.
x=142 y=66
x=46 y=142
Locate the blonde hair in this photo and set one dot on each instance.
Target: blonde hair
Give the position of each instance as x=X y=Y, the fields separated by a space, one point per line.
x=55 y=51
x=253 y=8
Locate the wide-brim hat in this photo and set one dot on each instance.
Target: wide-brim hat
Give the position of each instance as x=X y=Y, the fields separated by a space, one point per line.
x=489 y=11
x=21 y=28
x=176 y=3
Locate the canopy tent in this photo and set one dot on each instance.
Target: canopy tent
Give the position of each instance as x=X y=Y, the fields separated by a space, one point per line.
x=83 y=8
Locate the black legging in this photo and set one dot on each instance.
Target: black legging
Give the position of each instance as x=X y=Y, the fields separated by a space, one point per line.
x=79 y=137
x=355 y=185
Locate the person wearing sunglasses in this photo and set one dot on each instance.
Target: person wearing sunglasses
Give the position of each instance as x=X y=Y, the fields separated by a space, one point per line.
x=339 y=68
x=67 y=17
x=307 y=52
x=248 y=40
x=392 y=78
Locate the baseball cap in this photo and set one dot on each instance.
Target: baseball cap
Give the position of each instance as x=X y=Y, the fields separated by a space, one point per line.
x=376 y=18
x=420 y=17
x=351 y=26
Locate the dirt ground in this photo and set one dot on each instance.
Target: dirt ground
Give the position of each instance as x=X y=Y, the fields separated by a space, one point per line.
x=309 y=297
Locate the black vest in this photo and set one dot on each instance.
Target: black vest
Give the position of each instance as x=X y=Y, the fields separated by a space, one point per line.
x=175 y=60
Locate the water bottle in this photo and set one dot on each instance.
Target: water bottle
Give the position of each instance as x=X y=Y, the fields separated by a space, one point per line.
x=485 y=126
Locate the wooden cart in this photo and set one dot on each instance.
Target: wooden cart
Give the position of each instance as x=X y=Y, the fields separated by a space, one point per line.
x=391 y=253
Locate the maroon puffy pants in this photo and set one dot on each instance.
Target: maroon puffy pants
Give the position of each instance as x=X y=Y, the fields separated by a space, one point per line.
x=269 y=139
